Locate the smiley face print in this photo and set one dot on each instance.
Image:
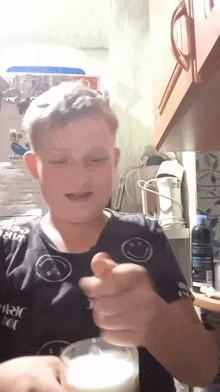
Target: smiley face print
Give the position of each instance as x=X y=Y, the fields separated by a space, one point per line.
x=53 y=268
x=137 y=249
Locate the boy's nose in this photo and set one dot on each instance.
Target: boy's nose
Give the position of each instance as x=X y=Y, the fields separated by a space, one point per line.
x=79 y=174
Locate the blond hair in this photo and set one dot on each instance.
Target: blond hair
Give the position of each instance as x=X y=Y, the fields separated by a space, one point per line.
x=62 y=104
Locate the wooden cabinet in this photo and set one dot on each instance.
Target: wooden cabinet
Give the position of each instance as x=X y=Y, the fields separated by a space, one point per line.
x=206 y=15
x=187 y=96
x=176 y=77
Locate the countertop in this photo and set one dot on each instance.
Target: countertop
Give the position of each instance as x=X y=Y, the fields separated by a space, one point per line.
x=205 y=302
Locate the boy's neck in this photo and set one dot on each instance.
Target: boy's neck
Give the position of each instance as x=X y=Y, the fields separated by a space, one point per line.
x=73 y=237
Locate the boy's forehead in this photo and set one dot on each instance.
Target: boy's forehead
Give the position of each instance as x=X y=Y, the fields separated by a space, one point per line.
x=89 y=134
x=91 y=125
x=93 y=149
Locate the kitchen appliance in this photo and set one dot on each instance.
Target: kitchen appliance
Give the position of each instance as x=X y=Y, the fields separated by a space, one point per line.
x=166 y=205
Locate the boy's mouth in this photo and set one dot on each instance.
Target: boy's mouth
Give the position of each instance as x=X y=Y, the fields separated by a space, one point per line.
x=78 y=197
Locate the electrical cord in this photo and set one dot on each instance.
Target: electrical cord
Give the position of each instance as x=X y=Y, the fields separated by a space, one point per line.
x=142 y=184
x=143 y=188
x=168 y=225
x=126 y=184
x=140 y=165
x=142 y=162
x=157 y=193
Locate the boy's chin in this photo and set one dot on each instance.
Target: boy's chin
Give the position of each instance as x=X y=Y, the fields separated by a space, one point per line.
x=82 y=217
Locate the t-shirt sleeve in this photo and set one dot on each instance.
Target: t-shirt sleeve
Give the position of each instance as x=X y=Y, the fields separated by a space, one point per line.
x=138 y=239
x=2 y=272
x=164 y=270
x=2 y=301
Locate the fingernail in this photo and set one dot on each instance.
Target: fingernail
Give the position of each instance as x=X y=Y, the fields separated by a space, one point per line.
x=91 y=304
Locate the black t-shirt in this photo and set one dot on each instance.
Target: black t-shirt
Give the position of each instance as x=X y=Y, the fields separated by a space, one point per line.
x=43 y=309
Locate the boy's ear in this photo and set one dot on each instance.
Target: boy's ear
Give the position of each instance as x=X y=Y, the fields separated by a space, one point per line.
x=31 y=163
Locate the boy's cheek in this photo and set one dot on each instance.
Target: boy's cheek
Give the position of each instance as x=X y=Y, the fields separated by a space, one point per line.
x=103 y=176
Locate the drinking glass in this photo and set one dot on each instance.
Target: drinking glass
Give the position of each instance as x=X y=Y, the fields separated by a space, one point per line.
x=93 y=365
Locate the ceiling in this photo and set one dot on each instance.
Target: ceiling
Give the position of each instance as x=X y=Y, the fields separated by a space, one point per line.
x=75 y=23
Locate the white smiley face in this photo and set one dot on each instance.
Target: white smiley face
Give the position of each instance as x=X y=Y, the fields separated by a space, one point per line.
x=53 y=348
x=53 y=268
x=137 y=249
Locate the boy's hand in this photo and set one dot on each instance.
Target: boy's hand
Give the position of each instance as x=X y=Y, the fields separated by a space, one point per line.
x=31 y=374
x=122 y=298
x=129 y=312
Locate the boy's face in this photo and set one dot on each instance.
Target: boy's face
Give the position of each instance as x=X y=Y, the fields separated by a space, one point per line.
x=75 y=168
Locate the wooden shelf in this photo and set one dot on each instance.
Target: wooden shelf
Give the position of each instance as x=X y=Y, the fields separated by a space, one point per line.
x=176 y=233
x=202 y=301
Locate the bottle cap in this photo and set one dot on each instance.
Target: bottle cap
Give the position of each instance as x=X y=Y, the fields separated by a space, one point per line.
x=201 y=219
x=201 y=234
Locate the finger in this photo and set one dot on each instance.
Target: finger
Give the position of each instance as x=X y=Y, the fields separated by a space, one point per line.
x=128 y=275
x=119 y=322
x=91 y=286
x=123 y=302
x=135 y=320
x=123 y=278
x=53 y=381
x=54 y=364
x=102 y=265
x=121 y=338
x=51 y=385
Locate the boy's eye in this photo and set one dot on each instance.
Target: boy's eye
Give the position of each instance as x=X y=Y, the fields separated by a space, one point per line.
x=95 y=161
x=99 y=159
x=58 y=161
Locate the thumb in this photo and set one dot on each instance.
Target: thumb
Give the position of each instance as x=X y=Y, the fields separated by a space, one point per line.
x=102 y=265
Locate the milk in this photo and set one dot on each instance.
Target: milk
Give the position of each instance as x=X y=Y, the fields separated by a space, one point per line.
x=108 y=372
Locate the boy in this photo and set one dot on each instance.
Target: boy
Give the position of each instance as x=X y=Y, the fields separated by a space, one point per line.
x=83 y=270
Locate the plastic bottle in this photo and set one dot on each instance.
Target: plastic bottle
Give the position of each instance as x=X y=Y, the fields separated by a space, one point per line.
x=203 y=273
x=217 y=275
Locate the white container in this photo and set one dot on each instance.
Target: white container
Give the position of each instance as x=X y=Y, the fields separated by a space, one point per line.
x=93 y=365
x=170 y=205
x=217 y=276
x=171 y=168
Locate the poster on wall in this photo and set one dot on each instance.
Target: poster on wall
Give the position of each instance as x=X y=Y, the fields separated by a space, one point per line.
x=19 y=191
x=92 y=82
x=17 y=91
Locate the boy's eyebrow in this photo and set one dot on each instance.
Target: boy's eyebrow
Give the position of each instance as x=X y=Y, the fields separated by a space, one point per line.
x=94 y=149
x=97 y=149
x=55 y=149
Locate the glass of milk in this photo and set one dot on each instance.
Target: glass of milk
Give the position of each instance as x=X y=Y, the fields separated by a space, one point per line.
x=93 y=365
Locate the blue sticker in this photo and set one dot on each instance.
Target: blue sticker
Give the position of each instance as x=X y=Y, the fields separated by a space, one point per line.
x=44 y=69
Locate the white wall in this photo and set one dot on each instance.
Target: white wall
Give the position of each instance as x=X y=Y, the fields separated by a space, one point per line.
x=98 y=62
x=130 y=80
x=73 y=23
x=116 y=38
x=123 y=50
